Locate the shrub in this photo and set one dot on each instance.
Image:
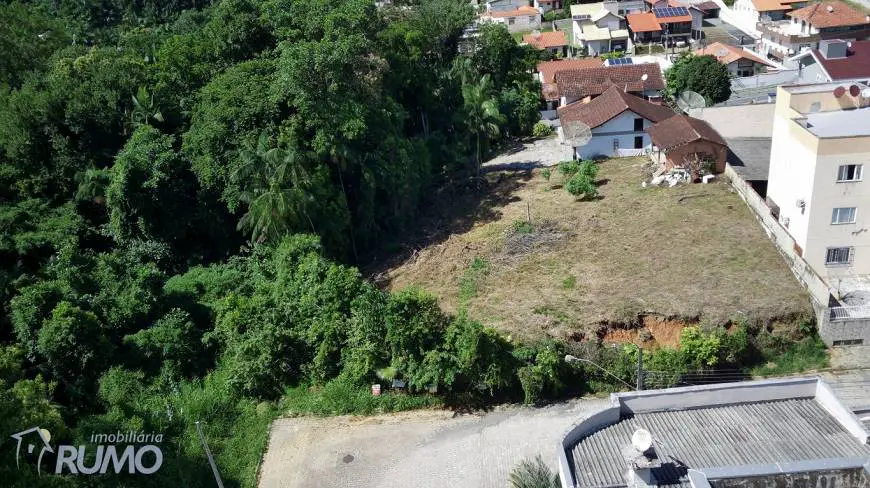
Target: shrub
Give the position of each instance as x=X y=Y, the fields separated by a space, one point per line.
x=544 y=374
x=613 y=55
x=542 y=129
x=581 y=185
x=546 y=173
x=533 y=474
x=698 y=348
x=569 y=168
x=523 y=227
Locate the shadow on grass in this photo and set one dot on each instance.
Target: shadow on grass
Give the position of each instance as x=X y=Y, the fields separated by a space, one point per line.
x=454 y=208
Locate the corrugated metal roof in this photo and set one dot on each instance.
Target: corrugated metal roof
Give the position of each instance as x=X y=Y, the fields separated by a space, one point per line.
x=734 y=435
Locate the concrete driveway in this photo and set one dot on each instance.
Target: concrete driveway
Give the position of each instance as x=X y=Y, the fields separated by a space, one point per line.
x=424 y=449
x=527 y=155
x=434 y=449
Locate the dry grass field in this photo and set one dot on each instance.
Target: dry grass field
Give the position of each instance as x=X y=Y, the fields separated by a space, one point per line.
x=693 y=252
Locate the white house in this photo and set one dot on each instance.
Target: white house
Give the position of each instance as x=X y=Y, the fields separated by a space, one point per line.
x=820 y=151
x=598 y=28
x=521 y=19
x=617 y=121
x=739 y=61
x=806 y=27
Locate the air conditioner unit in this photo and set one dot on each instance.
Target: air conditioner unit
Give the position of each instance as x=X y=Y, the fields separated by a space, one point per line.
x=800 y=203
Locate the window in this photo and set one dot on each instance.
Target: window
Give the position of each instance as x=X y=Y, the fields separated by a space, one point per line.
x=511 y=20
x=843 y=215
x=815 y=107
x=839 y=255
x=638 y=142
x=638 y=125
x=850 y=172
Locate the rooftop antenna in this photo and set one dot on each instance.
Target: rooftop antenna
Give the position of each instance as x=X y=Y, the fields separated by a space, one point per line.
x=691 y=102
x=641 y=440
x=576 y=133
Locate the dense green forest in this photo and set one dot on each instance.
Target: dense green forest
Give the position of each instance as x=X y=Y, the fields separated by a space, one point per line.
x=185 y=188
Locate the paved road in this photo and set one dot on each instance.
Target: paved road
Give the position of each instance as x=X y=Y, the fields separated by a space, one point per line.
x=415 y=449
x=540 y=152
x=435 y=450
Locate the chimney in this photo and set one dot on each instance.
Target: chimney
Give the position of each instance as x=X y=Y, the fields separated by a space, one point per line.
x=833 y=48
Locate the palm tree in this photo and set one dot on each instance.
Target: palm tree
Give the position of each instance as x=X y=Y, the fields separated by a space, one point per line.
x=145 y=108
x=481 y=110
x=272 y=184
x=533 y=474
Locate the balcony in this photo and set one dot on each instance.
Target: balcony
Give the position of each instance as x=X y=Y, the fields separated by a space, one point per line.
x=785 y=33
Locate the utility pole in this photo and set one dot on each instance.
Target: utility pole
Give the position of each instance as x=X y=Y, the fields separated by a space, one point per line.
x=639 y=368
x=217 y=476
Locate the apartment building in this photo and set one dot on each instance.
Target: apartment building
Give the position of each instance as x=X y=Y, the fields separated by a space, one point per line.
x=803 y=29
x=820 y=151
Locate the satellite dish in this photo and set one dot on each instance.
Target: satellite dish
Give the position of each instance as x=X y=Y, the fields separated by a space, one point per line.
x=644 y=77
x=865 y=93
x=576 y=133
x=641 y=440
x=839 y=91
x=830 y=8
x=854 y=90
x=689 y=101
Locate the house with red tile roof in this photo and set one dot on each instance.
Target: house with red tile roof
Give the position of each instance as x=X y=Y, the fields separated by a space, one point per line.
x=546 y=73
x=805 y=27
x=520 y=19
x=617 y=120
x=587 y=83
x=739 y=61
x=555 y=42
x=680 y=140
x=669 y=24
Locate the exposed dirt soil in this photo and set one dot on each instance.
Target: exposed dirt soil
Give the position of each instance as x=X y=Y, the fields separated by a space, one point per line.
x=693 y=251
x=654 y=332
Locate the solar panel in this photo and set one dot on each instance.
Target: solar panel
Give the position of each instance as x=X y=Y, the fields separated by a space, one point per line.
x=670 y=11
x=620 y=61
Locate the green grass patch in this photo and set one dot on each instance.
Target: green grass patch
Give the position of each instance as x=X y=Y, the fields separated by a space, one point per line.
x=569 y=282
x=471 y=279
x=523 y=227
x=339 y=398
x=804 y=355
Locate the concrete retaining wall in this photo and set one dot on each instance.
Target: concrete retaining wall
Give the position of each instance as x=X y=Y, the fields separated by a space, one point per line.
x=830 y=331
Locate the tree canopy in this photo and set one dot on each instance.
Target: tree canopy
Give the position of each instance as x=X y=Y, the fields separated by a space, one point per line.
x=702 y=74
x=184 y=190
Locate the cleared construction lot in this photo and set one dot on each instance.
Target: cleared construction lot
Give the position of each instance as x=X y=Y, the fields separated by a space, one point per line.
x=692 y=252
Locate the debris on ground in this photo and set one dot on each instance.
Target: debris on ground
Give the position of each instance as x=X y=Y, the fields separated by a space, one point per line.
x=543 y=234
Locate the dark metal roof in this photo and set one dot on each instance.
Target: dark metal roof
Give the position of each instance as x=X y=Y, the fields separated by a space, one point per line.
x=750 y=157
x=735 y=435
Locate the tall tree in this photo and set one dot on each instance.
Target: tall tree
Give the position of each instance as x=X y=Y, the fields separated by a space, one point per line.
x=275 y=205
x=702 y=74
x=481 y=111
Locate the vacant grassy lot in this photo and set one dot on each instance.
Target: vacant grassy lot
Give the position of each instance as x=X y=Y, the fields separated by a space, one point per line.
x=690 y=252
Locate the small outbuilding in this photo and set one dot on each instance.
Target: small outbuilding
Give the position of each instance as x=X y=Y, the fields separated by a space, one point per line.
x=682 y=141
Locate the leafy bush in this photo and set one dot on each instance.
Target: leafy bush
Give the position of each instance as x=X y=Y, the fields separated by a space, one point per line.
x=523 y=227
x=339 y=397
x=569 y=168
x=546 y=173
x=533 y=474
x=698 y=348
x=542 y=129
x=613 y=55
x=543 y=375
x=581 y=185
